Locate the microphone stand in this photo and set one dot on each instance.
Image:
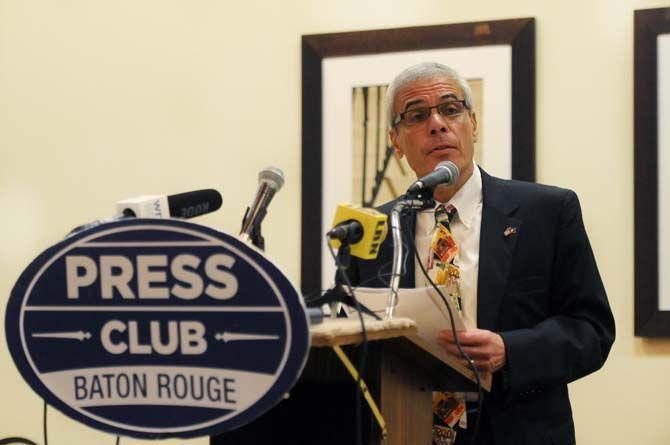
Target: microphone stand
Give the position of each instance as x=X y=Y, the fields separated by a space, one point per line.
x=344 y=258
x=255 y=237
x=337 y=295
x=416 y=201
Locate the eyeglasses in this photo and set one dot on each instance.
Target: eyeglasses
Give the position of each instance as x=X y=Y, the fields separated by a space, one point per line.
x=450 y=110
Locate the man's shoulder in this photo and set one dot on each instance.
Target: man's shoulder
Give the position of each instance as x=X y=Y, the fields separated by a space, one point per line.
x=525 y=192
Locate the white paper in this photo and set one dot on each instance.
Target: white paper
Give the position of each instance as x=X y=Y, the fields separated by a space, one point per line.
x=424 y=306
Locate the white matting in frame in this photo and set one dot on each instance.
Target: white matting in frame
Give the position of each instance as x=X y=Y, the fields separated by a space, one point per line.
x=492 y=64
x=663 y=58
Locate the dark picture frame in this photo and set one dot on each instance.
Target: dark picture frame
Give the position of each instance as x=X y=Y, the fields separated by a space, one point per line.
x=650 y=320
x=519 y=34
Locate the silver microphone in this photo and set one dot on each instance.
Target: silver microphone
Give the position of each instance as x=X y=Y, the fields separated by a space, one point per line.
x=445 y=173
x=270 y=180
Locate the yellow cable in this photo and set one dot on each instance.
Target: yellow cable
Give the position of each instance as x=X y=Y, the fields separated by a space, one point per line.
x=364 y=389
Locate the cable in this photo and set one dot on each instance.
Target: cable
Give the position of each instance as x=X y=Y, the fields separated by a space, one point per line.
x=44 y=421
x=16 y=440
x=376 y=412
x=471 y=363
x=380 y=276
x=364 y=346
x=24 y=441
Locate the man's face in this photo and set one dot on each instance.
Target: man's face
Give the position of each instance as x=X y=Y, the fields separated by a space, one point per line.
x=436 y=139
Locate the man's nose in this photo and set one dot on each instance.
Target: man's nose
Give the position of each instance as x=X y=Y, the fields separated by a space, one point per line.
x=437 y=123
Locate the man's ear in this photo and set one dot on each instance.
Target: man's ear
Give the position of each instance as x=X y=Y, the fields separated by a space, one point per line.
x=473 y=119
x=393 y=135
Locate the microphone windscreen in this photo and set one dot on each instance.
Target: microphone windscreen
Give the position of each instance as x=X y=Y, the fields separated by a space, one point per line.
x=273 y=176
x=454 y=172
x=374 y=226
x=196 y=203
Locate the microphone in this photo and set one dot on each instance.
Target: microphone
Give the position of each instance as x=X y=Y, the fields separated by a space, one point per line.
x=270 y=180
x=445 y=173
x=182 y=205
x=362 y=229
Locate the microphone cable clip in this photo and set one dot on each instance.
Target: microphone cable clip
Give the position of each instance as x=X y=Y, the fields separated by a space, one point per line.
x=337 y=294
x=421 y=199
x=256 y=237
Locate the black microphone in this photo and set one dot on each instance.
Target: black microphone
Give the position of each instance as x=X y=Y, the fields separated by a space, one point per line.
x=445 y=173
x=270 y=180
x=182 y=205
x=349 y=232
x=196 y=203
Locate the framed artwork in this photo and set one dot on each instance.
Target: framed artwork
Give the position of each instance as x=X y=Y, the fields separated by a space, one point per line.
x=652 y=172
x=346 y=154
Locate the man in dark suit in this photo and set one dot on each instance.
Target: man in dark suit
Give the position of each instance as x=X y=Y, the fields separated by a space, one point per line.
x=529 y=279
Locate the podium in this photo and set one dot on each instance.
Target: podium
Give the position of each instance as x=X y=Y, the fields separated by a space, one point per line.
x=320 y=408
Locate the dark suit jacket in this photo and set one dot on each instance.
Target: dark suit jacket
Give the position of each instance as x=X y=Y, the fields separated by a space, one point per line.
x=541 y=291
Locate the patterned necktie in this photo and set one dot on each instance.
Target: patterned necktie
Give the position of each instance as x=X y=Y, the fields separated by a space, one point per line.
x=448 y=408
x=442 y=253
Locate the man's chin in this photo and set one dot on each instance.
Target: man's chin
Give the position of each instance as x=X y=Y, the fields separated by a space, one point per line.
x=445 y=154
x=442 y=193
x=456 y=158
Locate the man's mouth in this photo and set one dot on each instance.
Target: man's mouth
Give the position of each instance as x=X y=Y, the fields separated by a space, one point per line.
x=441 y=148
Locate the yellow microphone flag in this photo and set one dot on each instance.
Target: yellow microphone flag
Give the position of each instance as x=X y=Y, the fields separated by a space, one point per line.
x=374 y=225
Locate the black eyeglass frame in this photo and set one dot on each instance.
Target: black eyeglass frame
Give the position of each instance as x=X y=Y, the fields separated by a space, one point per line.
x=404 y=113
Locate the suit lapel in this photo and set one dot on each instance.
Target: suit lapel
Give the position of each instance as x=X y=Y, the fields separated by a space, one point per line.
x=496 y=248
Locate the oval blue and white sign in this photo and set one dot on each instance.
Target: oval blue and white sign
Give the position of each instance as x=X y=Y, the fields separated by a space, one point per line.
x=157 y=328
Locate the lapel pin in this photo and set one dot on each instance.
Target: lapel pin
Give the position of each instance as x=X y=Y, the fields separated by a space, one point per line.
x=509 y=231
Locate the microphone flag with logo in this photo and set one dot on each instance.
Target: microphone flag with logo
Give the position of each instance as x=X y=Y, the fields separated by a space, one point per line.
x=182 y=205
x=364 y=229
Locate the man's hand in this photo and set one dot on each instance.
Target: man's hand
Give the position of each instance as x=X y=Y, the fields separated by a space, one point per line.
x=484 y=347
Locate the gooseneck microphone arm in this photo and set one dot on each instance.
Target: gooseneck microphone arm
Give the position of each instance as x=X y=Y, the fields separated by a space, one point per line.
x=396 y=271
x=419 y=196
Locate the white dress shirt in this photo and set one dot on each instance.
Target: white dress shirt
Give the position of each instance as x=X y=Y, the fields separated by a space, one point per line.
x=466 y=228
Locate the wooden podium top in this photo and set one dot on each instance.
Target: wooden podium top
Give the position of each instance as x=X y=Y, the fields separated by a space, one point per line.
x=403 y=339
x=344 y=331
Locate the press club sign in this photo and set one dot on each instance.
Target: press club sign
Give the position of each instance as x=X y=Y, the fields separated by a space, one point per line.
x=157 y=328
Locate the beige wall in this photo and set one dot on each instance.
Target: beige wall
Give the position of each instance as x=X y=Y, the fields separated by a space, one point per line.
x=101 y=100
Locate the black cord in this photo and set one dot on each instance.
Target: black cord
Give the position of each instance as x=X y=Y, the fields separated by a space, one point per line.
x=380 y=276
x=16 y=440
x=44 y=422
x=471 y=362
x=24 y=441
x=364 y=346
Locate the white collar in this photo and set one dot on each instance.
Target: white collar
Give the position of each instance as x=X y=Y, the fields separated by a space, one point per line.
x=468 y=197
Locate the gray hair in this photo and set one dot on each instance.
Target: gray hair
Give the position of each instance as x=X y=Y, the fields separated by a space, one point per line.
x=425 y=70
